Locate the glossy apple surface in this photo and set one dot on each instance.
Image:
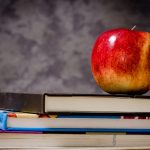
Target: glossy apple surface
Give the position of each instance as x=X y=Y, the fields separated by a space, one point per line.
x=120 y=61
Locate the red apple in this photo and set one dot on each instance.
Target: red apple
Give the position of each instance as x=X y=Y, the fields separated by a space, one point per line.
x=120 y=61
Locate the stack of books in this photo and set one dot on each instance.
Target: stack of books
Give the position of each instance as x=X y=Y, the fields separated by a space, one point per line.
x=47 y=120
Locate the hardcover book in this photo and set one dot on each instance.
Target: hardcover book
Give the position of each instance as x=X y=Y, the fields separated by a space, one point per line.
x=47 y=103
x=10 y=121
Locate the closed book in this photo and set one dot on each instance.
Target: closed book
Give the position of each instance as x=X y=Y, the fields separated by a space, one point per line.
x=76 y=103
x=114 y=141
x=10 y=121
x=13 y=140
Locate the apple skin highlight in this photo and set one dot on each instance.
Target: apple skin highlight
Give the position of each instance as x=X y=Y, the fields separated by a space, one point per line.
x=120 y=61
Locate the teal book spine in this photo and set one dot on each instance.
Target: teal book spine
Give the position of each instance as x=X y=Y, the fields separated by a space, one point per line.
x=3 y=120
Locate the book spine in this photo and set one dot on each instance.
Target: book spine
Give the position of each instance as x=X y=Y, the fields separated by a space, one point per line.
x=3 y=120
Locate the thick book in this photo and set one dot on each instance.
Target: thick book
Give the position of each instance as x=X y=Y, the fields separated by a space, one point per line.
x=10 y=121
x=75 y=103
x=83 y=103
x=15 y=140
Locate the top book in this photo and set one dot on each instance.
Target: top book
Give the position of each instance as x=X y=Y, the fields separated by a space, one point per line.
x=74 y=103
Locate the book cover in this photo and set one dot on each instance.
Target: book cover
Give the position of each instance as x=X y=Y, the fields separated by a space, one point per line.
x=76 y=103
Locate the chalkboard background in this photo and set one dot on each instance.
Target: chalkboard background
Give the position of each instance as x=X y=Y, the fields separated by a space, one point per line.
x=45 y=45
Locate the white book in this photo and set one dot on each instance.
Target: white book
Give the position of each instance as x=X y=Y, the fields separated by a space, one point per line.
x=20 y=140
x=16 y=140
x=97 y=103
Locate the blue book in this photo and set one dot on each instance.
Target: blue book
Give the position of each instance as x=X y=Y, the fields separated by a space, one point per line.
x=16 y=121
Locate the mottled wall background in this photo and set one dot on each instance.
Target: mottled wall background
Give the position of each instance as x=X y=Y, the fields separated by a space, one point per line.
x=45 y=45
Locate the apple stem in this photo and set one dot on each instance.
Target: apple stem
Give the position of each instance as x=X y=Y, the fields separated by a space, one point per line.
x=133 y=27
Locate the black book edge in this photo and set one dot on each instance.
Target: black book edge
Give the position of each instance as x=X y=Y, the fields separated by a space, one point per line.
x=97 y=95
x=22 y=102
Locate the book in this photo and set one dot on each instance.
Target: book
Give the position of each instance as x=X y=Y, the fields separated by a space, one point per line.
x=10 y=121
x=53 y=140
x=47 y=103
x=20 y=140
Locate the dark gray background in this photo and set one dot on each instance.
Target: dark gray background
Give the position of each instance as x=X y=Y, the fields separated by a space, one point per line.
x=45 y=45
